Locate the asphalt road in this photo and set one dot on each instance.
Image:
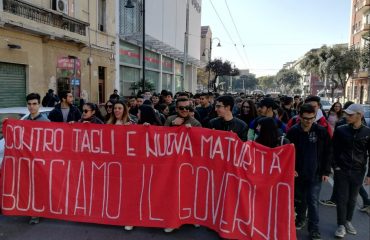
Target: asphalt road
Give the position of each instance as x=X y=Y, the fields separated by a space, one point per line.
x=17 y=228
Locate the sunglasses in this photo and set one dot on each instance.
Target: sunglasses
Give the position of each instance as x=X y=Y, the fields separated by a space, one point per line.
x=184 y=108
x=246 y=107
x=109 y=106
x=308 y=119
x=86 y=110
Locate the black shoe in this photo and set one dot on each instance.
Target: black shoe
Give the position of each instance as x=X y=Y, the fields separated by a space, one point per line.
x=315 y=235
x=300 y=224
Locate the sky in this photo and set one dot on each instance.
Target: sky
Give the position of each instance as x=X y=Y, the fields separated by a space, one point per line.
x=274 y=32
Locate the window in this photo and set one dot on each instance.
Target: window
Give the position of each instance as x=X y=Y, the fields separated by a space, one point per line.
x=102 y=15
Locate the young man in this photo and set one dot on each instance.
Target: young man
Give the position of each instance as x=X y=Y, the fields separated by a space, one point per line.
x=225 y=120
x=33 y=105
x=204 y=109
x=65 y=111
x=286 y=106
x=314 y=101
x=265 y=108
x=183 y=115
x=313 y=151
x=114 y=96
x=351 y=155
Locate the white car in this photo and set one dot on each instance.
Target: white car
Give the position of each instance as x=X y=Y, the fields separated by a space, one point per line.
x=15 y=113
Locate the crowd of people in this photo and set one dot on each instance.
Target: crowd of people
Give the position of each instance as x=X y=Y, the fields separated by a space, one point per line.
x=337 y=142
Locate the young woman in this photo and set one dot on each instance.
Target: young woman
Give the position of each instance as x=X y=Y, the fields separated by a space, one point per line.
x=268 y=133
x=109 y=109
x=120 y=114
x=91 y=114
x=248 y=111
x=335 y=114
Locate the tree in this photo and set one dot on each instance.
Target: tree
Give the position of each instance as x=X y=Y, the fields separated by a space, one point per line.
x=202 y=76
x=220 y=68
x=267 y=82
x=288 y=78
x=337 y=64
x=248 y=81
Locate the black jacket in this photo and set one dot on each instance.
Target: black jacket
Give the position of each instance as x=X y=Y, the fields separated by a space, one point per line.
x=352 y=148
x=235 y=125
x=324 y=148
x=56 y=114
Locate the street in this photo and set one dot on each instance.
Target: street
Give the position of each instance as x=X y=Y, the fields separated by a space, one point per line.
x=17 y=228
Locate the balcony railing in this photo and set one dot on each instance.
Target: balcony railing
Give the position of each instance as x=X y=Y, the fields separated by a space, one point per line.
x=362 y=5
x=45 y=16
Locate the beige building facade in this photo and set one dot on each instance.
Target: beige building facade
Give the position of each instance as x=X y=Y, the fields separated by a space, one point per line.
x=59 y=45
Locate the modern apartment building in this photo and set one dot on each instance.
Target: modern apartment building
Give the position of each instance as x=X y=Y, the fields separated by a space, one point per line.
x=358 y=88
x=57 y=44
x=172 y=44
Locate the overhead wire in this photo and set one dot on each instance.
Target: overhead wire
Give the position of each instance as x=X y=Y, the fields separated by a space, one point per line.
x=237 y=31
x=227 y=32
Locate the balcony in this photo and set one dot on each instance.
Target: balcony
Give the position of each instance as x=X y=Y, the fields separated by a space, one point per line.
x=45 y=16
x=363 y=74
x=362 y=6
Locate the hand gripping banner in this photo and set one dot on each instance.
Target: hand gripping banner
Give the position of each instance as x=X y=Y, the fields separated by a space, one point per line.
x=148 y=176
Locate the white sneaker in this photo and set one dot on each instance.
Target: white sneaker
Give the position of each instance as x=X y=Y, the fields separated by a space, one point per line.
x=350 y=228
x=129 y=228
x=340 y=232
x=168 y=230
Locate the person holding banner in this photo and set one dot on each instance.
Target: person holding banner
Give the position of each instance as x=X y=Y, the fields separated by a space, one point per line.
x=90 y=114
x=313 y=153
x=120 y=114
x=65 y=111
x=226 y=121
x=183 y=115
x=33 y=106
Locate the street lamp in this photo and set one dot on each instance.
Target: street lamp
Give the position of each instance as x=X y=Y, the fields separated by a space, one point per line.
x=209 y=57
x=130 y=5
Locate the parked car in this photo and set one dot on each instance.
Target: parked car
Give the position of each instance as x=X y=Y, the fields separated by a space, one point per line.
x=367 y=114
x=15 y=113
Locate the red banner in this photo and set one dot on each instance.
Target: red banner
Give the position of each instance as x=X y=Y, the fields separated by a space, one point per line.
x=148 y=176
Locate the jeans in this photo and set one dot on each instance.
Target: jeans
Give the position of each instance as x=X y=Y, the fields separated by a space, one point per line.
x=362 y=192
x=306 y=196
x=348 y=184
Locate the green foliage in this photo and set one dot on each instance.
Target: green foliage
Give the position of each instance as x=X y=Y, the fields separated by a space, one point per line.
x=288 y=78
x=337 y=63
x=135 y=86
x=250 y=82
x=220 y=68
x=267 y=82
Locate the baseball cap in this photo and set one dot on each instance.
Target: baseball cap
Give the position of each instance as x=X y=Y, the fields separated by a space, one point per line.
x=354 y=108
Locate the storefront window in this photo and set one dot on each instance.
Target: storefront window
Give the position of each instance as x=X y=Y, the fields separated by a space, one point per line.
x=129 y=76
x=167 y=64
x=153 y=78
x=167 y=81
x=151 y=60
